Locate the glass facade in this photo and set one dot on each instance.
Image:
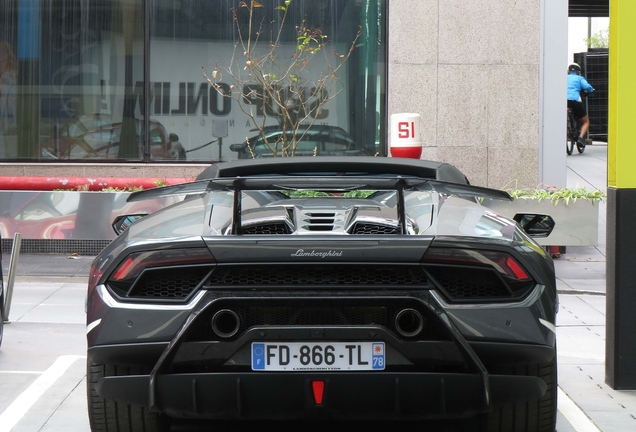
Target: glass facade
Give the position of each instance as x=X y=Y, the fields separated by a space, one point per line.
x=190 y=80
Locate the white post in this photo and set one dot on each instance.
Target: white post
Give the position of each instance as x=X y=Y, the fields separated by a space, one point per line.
x=13 y=263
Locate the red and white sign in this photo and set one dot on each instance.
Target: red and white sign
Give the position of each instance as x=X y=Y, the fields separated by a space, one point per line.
x=406 y=140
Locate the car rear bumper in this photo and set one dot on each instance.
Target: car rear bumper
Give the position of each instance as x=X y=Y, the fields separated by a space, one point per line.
x=438 y=376
x=373 y=395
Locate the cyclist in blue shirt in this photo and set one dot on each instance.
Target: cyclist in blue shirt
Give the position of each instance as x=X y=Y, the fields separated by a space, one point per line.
x=577 y=84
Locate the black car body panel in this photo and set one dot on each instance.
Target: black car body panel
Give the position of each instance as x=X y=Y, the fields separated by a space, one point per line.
x=310 y=270
x=359 y=165
x=363 y=396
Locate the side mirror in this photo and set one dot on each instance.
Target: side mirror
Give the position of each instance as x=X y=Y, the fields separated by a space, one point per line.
x=238 y=147
x=173 y=137
x=535 y=225
x=122 y=222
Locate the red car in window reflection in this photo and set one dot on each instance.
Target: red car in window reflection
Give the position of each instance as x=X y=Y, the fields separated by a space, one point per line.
x=67 y=214
x=96 y=136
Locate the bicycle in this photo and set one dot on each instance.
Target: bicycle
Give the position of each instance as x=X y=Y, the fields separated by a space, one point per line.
x=573 y=133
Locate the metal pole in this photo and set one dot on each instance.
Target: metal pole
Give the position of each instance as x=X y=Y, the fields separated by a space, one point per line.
x=13 y=263
x=620 y=338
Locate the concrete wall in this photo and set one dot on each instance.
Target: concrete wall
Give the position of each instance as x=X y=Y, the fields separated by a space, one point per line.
x=471 y=69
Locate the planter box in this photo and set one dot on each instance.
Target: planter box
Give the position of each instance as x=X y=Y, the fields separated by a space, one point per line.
x=576 y=222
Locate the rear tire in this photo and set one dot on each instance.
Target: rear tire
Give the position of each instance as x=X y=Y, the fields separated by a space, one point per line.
x=535 y=416
x=572 y=134
x=110 y=416
x=580 y=147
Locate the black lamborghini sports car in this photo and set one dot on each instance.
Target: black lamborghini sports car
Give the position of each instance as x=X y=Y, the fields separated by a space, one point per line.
x=323 y=288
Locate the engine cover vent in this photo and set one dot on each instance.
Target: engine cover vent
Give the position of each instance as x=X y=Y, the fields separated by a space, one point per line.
x=319 y=221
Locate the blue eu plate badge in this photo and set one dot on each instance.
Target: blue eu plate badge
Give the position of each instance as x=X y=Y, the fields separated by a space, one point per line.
x=377 y=359
x=258 y=356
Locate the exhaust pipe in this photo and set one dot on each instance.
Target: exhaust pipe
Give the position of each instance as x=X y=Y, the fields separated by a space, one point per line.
x=226 y=323
x=409 y=322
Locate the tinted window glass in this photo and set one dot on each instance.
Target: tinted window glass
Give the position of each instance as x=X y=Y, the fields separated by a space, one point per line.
x=189 y=36
x=76 y=67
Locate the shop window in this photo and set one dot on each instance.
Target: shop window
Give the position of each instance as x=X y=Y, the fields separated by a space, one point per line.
x=85 y=94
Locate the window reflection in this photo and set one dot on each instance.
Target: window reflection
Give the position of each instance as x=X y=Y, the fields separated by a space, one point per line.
x=199 y=34
x=81 y=81
x=8 y=100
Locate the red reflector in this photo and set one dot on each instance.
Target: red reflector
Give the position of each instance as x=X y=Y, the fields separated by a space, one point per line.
x=516 y=269
x=319 y=390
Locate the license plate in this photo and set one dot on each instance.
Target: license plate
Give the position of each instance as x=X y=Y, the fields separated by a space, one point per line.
x=328 y=356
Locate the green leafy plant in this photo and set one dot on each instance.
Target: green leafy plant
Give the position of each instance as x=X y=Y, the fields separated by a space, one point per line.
x=124 y=189
x=86 y=188
x=600 y=39
x=557 y=195
x=316 y=193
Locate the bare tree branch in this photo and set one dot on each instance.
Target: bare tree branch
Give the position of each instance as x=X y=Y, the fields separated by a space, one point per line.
x=268 y=83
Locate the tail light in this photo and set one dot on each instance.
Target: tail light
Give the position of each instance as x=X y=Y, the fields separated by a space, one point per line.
x=135 y=263
x=469 y=273
x=156 y=265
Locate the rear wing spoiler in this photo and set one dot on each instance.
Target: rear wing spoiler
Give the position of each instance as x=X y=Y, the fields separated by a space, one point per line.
x=335 y=165
x=330 y=183
x=327 y=183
